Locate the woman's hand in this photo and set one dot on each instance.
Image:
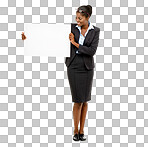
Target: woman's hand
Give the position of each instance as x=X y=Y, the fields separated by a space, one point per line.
x=71 y=38
x=23 y=36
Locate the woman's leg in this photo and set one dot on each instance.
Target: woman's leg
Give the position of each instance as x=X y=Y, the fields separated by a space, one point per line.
x=83 y=116
x=76 y=115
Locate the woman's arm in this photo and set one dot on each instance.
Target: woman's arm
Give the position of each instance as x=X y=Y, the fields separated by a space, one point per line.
x=89 y=50
x=76 y=44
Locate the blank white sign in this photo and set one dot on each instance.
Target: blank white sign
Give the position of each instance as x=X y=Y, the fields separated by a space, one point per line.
x=47 y=40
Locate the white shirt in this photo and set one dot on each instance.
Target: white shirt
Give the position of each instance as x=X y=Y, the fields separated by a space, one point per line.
x=81 y=37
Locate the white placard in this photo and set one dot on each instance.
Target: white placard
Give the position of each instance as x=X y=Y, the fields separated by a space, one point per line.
x=47 y=40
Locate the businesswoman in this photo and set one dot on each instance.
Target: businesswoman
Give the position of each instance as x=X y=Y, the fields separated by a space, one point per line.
x=84 y=38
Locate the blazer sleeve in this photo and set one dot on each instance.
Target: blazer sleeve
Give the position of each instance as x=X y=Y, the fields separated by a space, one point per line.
x=91 y=50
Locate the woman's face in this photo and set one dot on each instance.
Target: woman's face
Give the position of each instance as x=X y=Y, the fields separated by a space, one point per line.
x=81 y=20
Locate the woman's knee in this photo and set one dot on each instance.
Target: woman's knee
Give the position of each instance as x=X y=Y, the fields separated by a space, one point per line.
x=85 y=104
x=78 y=104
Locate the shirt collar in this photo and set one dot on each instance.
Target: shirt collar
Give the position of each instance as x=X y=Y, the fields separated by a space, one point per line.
x=90 y=26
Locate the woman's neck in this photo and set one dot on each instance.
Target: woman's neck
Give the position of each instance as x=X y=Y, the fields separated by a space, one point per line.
x=85 y=26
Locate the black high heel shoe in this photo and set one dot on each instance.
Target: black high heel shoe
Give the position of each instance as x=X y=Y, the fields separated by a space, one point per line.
x=82 y=137
x=76 y=137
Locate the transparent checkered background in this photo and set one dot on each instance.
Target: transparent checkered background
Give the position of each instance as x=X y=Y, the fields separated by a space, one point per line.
x=35 y=99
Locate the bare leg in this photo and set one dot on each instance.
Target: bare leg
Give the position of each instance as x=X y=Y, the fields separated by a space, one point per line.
x=76 y=115
x=83 y=116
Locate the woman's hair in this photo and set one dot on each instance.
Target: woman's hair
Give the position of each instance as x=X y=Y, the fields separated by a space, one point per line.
x=85 y=10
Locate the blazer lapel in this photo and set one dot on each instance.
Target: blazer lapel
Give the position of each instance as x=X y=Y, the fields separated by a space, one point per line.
x=77 y=34
x=89 y=35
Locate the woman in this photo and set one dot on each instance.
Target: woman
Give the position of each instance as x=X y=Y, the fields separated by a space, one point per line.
x=80 y=66
x=84 y=38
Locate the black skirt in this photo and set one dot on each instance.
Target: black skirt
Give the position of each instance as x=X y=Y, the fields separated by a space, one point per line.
x=80 y=80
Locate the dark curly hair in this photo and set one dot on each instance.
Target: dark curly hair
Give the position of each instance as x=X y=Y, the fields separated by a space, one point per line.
x=85 y=10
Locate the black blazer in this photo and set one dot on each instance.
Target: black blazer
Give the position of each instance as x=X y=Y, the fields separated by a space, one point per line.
x=89 y=47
